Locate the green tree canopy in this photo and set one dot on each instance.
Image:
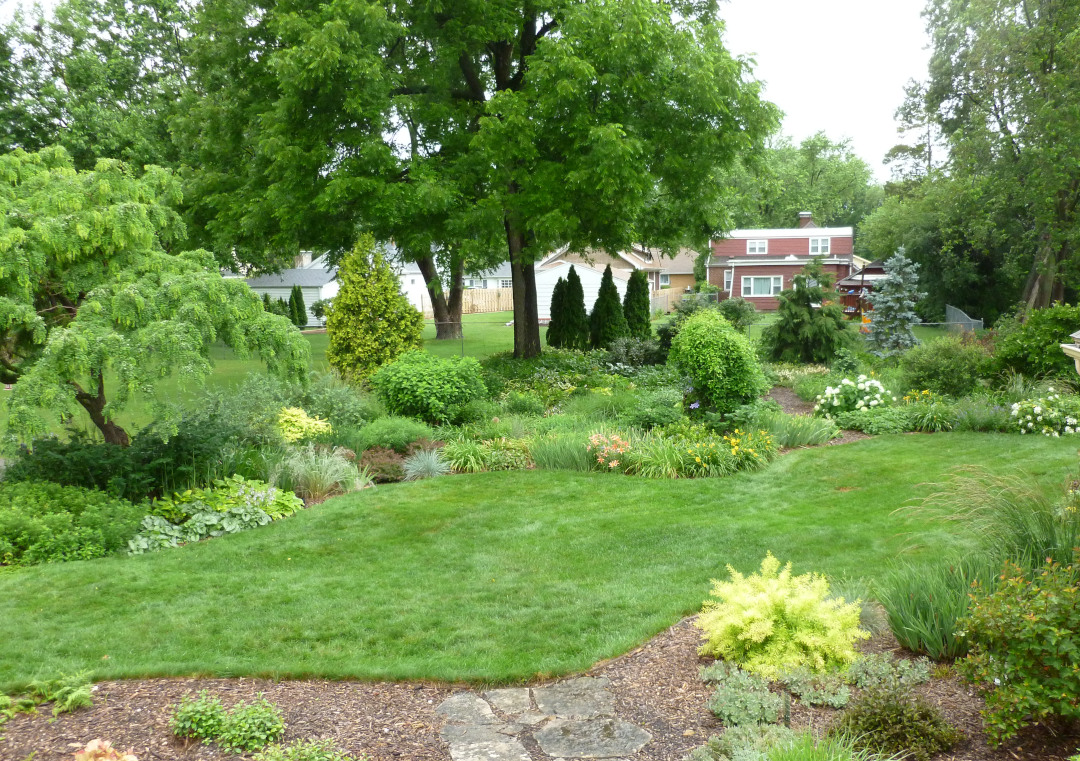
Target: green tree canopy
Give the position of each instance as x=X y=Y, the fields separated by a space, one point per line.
x=86 y=277
x=458 y=125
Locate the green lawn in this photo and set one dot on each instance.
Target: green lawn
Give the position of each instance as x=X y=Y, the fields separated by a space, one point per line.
x=491 y=577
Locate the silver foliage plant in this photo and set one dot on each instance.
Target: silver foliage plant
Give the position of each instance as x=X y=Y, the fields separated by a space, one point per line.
x=893 y=299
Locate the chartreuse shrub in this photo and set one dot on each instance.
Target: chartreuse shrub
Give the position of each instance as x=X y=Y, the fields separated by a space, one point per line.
x=45 y=522
x=892 y=720
x=424 y=386
x=296 y=425
x=774 y=621
x=369 y=323
x=243 y=728
x=719 y=361
x=1023 y=648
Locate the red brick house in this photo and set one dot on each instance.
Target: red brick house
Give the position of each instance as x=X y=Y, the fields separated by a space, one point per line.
x=758 y=264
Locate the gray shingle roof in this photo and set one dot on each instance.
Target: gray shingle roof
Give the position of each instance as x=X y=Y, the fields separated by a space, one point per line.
x=305 y=278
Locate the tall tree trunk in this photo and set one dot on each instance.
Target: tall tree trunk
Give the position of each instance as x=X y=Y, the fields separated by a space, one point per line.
x=446 y=309
x=526 y=315
x=94 y=404
x=1044 y=284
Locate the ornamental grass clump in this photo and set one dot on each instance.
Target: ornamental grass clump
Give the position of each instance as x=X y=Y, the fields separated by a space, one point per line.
x=774 y=621
x=851 y=396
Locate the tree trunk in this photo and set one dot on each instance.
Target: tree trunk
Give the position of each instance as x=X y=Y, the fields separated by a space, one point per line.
x=526 y=315
x=447 y=311
x=94 y=404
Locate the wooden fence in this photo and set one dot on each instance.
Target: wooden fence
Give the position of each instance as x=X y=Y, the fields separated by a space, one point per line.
x=480 y=301
x=664 y=300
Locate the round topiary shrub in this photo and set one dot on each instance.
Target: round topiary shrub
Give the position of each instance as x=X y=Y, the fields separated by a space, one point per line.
x=719 y=360
x=424 y=386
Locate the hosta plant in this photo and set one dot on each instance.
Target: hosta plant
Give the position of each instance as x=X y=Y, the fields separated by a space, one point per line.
x=774 y=621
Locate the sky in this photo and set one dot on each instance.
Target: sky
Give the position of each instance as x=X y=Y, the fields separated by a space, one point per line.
x=837 y=66
x=834 y=65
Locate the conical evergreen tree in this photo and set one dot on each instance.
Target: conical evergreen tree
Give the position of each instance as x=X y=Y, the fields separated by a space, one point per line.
x=575 y=327
x=555 y=331
x=370 y=322
x=894 y=298
x=297 y=308
x=268 y=305
x=607 y=321
x=636 y=305
x=809 y=328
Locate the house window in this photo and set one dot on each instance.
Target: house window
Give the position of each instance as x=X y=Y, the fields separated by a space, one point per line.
x=665 y=279
x=762 y=286
x=819 y=246
x=727 y=280
x=506 y=283
x=757 y=247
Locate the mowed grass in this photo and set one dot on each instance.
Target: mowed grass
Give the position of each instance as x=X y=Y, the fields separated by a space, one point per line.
x=493 y=577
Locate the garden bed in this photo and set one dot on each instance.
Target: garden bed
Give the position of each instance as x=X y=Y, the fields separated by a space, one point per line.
x=655 y=686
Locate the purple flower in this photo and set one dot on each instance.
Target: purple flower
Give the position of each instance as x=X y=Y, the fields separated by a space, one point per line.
x=695 y=405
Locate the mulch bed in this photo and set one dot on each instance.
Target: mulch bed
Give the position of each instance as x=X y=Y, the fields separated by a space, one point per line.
x=655 y=686
x=790 y=402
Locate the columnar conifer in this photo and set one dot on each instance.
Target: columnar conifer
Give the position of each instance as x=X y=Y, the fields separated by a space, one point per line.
x=607 y=321
x=556 y=325
x=636 y=305
x=575 y=329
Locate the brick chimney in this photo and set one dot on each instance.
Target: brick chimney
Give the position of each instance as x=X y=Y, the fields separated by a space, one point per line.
x=806 y=219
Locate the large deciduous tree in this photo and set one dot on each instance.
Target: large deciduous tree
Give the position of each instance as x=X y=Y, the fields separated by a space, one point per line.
x=91 y=298
x=482 y=131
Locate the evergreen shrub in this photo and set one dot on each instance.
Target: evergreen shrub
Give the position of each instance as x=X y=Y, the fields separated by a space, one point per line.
x=738 y=311
x=575 y=320
x=719 y=360
x=892 y=721
x=556 y=325
x=809 y=327
x=774 y=621
x=893 y=298
x=637 y=305
x=421 y=385
x=607 y=321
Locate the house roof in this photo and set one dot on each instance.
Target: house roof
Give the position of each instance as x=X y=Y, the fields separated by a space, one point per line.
x=498 y=272
x=618 y=274
x=681 y=264
x=306 y=277
x=791 y=232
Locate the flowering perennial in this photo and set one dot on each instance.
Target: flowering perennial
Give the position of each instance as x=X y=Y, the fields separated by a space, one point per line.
x=1050 y=415
x=852 y=395
x=608 y=450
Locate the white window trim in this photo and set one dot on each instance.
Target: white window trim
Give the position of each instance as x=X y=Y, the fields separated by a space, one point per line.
x=755 y=244
x=729 y=279
x=665 y=279
x=747 y=286
x=506 y=283
x=820 y=252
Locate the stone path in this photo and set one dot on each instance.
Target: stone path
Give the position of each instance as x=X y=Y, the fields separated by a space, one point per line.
x=568 y=720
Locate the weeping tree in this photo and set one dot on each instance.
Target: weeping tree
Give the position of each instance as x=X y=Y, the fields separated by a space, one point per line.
x=636 y=305
x=809 y=325
x=95 y=309
x=893 y=299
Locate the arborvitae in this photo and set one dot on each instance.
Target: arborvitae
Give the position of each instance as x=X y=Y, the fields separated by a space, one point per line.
x=281 y=307
x=575 y=322
x=297 y=308
x=370 y=322
x=555 y=331
x=894 y=298
x=268 y=306
x=607 y=321
x=636 y=305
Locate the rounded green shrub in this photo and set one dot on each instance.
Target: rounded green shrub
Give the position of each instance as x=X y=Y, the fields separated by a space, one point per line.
x=46 y=522
x=424 y=386
x=1033 y=347
x=719 y=361
x=391 y=432
x=947 y=366
x=891 y=720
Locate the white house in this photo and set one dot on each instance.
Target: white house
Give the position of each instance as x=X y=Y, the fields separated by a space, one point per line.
x=551 y=270
x=316 y=279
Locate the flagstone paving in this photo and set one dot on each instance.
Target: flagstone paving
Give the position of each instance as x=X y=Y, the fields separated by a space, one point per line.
x=574 y=719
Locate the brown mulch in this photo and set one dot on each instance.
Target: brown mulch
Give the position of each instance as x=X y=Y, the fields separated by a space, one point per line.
x=655 y=686
x=790 y=402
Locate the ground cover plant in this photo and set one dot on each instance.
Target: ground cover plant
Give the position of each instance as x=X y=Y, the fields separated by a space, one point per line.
x=576 y=540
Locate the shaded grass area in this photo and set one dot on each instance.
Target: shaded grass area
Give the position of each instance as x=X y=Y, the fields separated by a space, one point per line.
x=492 y=577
